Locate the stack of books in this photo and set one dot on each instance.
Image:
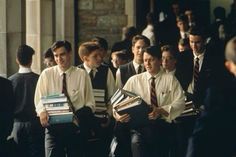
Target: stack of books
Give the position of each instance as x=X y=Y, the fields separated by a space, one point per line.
x=125 y=102
x=100 y=107
x=58 y=108
x=190 y=110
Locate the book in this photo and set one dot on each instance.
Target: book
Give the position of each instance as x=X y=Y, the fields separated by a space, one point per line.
x=190 y=110
x=58 y=118
x=53 y=99
x=99 y=92
x=120 y=95
x=132 y=104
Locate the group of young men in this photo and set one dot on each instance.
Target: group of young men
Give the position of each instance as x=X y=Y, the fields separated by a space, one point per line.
x=162 y=86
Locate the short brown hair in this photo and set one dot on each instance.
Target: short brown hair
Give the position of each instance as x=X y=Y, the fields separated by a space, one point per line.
x=61 y=43
x=87 y=48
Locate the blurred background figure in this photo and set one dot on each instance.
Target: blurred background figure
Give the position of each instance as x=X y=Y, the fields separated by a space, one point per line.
x=150 y=30
x=118 y=58
x=183 y=45
x=49 y=58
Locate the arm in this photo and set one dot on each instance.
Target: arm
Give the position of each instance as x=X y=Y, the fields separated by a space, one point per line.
x=39 y=92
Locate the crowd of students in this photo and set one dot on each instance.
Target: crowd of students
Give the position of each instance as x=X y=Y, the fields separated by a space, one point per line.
x=166 y=70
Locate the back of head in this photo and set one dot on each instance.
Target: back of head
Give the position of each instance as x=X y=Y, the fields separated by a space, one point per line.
x=154 y=51
x=87 y=48
x=24 y=54
x=219 y=13
x=61 y=43
x=150 y=17
x=101 y=42
x=230 y=50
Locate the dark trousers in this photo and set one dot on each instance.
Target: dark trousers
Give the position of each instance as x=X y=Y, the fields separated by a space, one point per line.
x=153 y=140
x=28 y=138
x=64 y=140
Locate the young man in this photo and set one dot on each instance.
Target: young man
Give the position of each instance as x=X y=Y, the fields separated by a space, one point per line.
x=214 y=132
x=64 y=138
x=27 y=131
x=102 y=79
x=165 y=96
x=139 y=42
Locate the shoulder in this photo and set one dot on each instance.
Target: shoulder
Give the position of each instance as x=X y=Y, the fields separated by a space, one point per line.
x=5 y=82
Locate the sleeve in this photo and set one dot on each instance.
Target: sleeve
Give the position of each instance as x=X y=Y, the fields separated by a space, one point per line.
x=177 y=100
x=89 y=97
x=111 y=86
x=118 y=79
x=39 y=92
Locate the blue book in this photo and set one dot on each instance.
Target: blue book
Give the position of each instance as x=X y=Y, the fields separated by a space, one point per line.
x=60 y=118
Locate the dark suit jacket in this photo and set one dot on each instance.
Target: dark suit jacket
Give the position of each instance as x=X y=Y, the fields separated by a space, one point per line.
x=6 y=109
x=186 y=66
x=126 y=71
x=214 y=132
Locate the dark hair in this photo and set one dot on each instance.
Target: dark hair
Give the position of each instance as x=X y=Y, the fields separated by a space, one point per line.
x=121 y=54
x=170 y=49
x=182 y=18
x=24 y=54
x=130 y=32
x=61 y=43
x=197 y=30
x=87 y=48
x=101 y=42
x=183 y=41
x=48 y=53
x=219 y=12
x=140 y=37
x=154 y=51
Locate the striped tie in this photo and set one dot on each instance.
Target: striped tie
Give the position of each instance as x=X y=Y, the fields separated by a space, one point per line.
x=196 y=73
x=153 y=92
x=64 y=88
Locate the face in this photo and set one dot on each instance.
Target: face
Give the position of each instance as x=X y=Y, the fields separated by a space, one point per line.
x=151 y=64
x=62 y=58
x=94 y=60
x=49 y=62
x=168 y=61
x=189 y=14
x=183 y=47
x=196 y=43
x=137 y=50
x=183 y=26
x=116 y=61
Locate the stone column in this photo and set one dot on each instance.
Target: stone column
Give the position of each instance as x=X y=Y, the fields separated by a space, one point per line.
x=130 y=11
x=39 y=29
x=64 y=19
x=12 y=34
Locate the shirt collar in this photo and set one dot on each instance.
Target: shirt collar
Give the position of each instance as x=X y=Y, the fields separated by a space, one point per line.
x=24 y=69
x=149 y=76
x=136 y=65
x=201 y=56
x=88 y=69
x=68 y=71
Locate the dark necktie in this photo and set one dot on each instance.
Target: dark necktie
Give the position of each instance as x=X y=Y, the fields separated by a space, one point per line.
x=91 y=74
x=64 y=87
x=196 y=73
x=139 y=69
x=153 y=92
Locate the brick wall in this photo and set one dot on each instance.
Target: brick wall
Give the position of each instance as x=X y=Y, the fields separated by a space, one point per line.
x=104 y=18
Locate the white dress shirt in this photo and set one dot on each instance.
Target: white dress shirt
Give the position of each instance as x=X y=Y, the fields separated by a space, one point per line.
x=78 y=86
x=169 y=93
